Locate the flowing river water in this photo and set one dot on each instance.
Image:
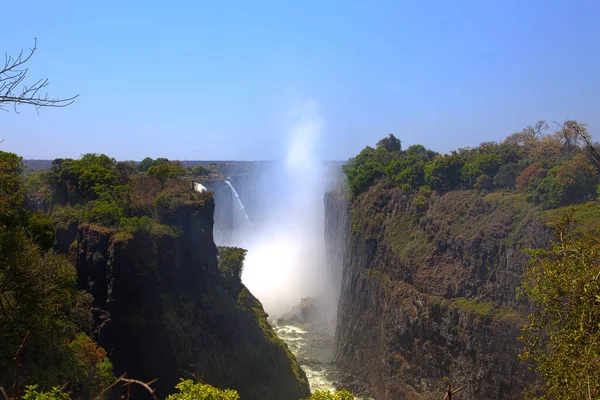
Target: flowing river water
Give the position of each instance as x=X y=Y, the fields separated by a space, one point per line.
x=314 y=352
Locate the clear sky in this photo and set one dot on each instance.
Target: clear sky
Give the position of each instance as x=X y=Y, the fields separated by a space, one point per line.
x=216 y=80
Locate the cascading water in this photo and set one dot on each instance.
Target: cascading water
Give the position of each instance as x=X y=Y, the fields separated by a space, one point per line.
x=232 y=223
x=239 y=205
x=286 y=259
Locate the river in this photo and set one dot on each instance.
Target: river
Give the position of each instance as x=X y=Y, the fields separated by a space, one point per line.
x=314 y=352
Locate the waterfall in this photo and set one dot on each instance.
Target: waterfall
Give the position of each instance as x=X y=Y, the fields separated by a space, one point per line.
x=239 y=204
x=232 y=223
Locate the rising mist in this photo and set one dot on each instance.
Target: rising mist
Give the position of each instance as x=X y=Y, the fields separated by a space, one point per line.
x=286 y=251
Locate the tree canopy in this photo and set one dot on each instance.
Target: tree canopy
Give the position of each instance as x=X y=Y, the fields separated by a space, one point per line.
x=550 y=169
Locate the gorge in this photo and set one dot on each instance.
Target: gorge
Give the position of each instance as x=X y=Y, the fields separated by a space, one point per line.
x=394 y=275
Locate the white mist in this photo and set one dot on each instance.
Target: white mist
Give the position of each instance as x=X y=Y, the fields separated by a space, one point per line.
x=286 y=253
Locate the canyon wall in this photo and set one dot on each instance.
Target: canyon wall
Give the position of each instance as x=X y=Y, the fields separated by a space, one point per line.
x=164 y=310
x=428 y=291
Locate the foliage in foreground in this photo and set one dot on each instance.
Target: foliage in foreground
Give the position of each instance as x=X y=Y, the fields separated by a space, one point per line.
x=562 y=336
x=38 y=294
x=188 y=390
x=339 y=395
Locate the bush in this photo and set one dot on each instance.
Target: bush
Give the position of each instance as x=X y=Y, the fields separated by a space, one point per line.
x=40 y=227
x=31 y=393
x=546 y=192
x=231 y=262
x=340 y=395
x=105 y=213
x=190 y=390
x=166 y=203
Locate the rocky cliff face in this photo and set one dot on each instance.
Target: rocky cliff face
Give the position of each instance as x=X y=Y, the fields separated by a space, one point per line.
x=337 y=229
x=165 y=309
x=429 y=292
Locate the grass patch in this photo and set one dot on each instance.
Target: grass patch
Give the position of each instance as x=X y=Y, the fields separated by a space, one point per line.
x=586 y=217
x=488 y=309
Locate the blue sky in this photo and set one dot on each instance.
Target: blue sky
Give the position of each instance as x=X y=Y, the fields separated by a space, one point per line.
x=218 y=80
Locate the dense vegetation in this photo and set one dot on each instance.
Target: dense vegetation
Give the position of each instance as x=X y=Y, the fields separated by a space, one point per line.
x=38 y=295
x=39 y=286
x=551 y=169
x=97 y=189
x=561 y=338
x=188 y=390
x=531 y=174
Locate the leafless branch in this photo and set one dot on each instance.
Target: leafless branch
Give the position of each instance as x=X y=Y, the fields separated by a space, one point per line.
x=126 y=383
x=13 y=90
x=451 y=391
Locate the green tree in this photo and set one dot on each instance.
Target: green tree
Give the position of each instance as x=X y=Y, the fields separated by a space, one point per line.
x=444 y=172
x=145 y=164
x=166 y=170
x=231 y=262
x=39 y=295
x=561 y=338
x=485 y=164
x=200 y=170
x=40 y=227
x=12 y=193
x=546 y=191
x=412 y=176
x=390 y=143
x=421 y=152
x=363 y=170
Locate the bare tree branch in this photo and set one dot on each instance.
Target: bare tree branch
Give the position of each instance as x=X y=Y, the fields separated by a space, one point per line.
x=14 y=92
x=126 y=383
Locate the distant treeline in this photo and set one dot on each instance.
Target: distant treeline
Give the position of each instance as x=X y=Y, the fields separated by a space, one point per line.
x=552 y=169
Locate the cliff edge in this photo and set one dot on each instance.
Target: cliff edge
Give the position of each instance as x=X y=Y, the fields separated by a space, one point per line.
x=428 y=291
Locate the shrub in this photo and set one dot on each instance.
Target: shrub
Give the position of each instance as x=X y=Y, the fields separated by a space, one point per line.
x=40 y=227
x=105 y=212
x=166 y=203
x=190 y=390
x=231 y=262
x=340 y=395
x=546 y=192
x=31 y=393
